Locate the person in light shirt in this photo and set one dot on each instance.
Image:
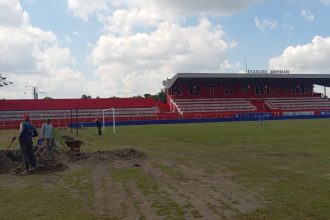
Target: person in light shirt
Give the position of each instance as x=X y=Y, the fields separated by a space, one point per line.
x=47 y=132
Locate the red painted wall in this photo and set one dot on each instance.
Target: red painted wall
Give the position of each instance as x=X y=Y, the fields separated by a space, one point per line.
x=67 y=104
x=238 y=88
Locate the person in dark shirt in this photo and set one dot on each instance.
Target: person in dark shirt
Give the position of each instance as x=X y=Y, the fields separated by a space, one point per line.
x=27 y=131
x=98 y=125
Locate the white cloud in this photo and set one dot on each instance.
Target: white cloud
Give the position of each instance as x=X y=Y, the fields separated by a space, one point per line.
x=307 y=15
x=30 y=55
x=265 y=24
x=18 y=46
x=59 y=83
x=123 y=21
x=193 y=7
x=84 y=8
x=68 y=39
x=309 y=58
x=164 y=8
x=142 y=42
x=326 y=2
x=287 y=15
x=138 y=63
x=127 y=63
x=54 y=58
x=11 y=14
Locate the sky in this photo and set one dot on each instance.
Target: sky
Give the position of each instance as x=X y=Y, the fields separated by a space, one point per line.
x=125 y=48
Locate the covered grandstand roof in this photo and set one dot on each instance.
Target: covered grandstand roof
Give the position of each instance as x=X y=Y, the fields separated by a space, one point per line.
x=319 y=79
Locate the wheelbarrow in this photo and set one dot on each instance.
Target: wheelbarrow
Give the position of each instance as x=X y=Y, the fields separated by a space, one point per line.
x=74 y=145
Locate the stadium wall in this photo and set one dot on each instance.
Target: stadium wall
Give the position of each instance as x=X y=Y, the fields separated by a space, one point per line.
x=226 y=88
x=202 y=120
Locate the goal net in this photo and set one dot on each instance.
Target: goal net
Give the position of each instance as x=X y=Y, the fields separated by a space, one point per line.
x=107 y=112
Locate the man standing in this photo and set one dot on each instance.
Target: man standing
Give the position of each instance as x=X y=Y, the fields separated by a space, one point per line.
x=47 y=132
x=98 y=125
x=27 y=131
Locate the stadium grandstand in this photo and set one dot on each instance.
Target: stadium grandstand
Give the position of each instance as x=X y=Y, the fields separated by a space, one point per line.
x=238 y=95
x=65 y=112
x=190 y=96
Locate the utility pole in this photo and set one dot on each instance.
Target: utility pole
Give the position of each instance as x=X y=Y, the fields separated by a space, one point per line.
x=35 y=91
x=246 y=68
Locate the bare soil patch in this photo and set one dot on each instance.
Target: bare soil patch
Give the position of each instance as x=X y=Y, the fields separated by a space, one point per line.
x=56 y=161
x=6 y=164
x=197 y=193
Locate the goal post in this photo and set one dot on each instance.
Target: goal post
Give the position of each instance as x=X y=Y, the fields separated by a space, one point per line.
x=113 y=119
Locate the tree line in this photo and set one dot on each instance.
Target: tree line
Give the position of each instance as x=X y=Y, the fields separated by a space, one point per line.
x=159 y=96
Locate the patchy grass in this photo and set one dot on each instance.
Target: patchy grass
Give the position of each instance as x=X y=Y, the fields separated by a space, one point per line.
x=169 y=170
x=286 y=162
x=33 y=200
x=161 y=201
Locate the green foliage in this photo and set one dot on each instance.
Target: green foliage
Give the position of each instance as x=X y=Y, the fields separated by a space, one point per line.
x=159 y=96
x=86 y=96
x=4 y=81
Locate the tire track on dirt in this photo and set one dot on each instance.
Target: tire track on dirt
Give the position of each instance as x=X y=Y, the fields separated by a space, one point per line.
x=205 y=196
x=99 y=188
x=183 y=191
x=230 y=192
x=143 y=204
x=111 y=196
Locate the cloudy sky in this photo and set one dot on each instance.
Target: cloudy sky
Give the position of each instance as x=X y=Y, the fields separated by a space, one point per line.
x=125 y=48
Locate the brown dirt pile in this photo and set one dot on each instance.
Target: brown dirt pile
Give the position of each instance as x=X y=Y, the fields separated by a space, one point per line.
x=127 y=154
x=67 y=138
x=6 y=164
x=57 y=161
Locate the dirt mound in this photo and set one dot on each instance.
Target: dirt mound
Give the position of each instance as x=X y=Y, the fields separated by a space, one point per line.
x=14 y=155
x=67 y=138
x=95 y=157
x=47 y=160
x=6 y=165
x=128 y=154
x=50 y=160
x=57 y=161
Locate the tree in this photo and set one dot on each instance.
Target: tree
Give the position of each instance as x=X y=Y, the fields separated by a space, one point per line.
x=159 y=96
x=147 y=95
x=162 y=96
x=86 y=96
x=4 y=81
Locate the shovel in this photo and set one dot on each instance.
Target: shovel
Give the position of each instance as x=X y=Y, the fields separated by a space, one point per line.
x=7 y=149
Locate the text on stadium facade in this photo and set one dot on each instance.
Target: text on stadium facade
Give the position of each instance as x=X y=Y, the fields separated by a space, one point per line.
x=265 y=71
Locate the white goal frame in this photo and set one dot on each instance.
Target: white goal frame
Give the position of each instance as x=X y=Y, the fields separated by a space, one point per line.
x=113 y=119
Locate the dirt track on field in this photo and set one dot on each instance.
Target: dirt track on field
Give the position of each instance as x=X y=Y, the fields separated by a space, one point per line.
x=188 y=193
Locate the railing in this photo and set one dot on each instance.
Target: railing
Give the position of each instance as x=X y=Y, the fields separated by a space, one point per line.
x=61 y=118
x=303 y=104
x=176 y=106
x=213 y=105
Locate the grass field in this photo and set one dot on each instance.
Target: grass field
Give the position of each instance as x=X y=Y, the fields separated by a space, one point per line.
x=192 y=171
